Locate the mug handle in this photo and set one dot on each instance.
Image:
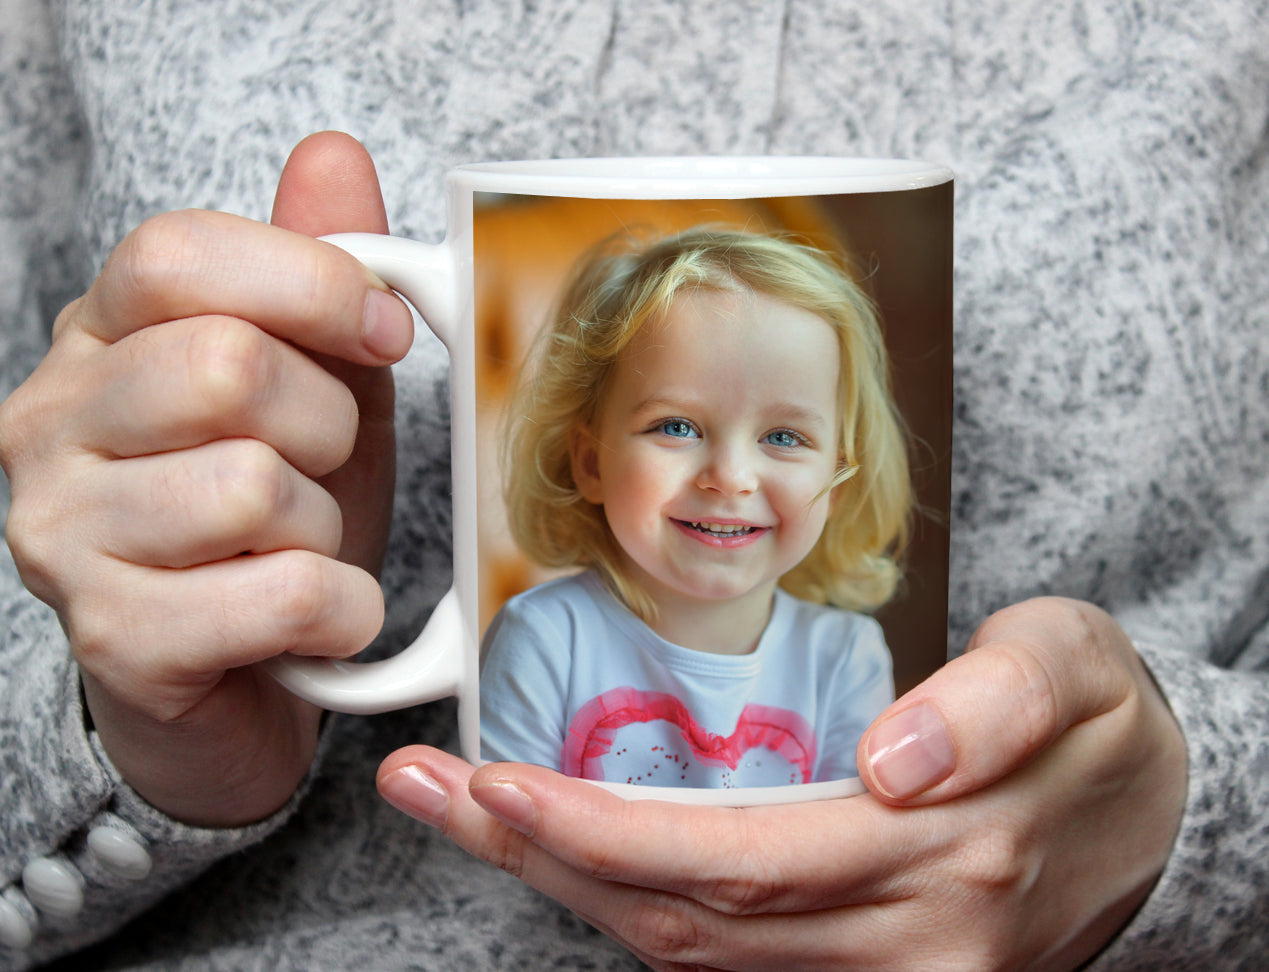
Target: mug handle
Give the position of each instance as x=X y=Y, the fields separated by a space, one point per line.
x=431 y=667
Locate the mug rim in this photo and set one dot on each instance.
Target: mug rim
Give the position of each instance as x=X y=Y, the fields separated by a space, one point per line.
x=699 y=176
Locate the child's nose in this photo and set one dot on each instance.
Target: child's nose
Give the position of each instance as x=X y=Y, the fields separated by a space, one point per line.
x=729 y=470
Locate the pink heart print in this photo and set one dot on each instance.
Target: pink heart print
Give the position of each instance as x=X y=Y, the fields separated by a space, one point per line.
x=630 y=736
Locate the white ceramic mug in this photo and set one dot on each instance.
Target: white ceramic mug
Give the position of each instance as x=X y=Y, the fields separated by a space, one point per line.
x=514 y=229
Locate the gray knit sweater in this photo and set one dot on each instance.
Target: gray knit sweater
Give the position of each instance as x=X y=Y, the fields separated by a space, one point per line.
x=1112 y=391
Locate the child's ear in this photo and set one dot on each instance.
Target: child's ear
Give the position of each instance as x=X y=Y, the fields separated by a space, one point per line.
x=583 y=454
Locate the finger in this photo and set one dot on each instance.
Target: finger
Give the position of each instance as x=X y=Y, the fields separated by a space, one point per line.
x=433 y=787
x=678 y=935
x=195 y=263
x=363 y=485
x=1031 y=672
x=329 y=185
x=665 y=929
x=673 y=933
x=725 y=858
x=184 y=383
x=185 y=628
x=210 y=503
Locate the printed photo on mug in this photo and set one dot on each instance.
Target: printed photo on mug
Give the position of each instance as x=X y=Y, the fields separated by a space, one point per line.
x=700 y=444
x=712 y=478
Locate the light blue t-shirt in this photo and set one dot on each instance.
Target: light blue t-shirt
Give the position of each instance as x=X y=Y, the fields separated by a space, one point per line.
x=573 y=680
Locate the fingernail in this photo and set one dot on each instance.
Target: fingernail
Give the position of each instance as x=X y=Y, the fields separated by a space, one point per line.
x=508 y=803
x=386 y=324
x=910 y=752
x=414 y=792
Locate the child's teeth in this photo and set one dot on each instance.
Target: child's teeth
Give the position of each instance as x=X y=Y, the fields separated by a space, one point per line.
x=720 y=527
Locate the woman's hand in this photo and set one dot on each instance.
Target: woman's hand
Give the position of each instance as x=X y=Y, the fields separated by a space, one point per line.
x=201 y=473
x=1034 y=790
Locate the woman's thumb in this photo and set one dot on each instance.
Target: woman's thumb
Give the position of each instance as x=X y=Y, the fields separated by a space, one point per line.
x=1030 y=672
x=329 y=185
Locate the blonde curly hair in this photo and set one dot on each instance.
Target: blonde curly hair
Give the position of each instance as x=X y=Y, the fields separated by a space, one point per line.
x=619 y=288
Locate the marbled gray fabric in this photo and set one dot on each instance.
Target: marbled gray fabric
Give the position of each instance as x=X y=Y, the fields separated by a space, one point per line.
x=1112 y=415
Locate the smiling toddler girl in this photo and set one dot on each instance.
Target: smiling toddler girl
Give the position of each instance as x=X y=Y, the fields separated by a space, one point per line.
x=707 y=430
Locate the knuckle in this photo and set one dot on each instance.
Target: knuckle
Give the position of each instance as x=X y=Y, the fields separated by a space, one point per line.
x=999 y=863
x=15 y=419
x=26 y=536
x=317 y=286
x=91 y=640
x=66 y=318
x=253 y=485
x=297 y=594
x=46 y=530
x=1064 y=659
x=94 y=631
x=36 y=547
x=229 y=363
x=1096 y=638
x=667 y=929
x=505 y=851
x=1031 y=686
x=25 y=423
x=743 y=894
x=748 y=883
x=158 y=254
x=604 y=862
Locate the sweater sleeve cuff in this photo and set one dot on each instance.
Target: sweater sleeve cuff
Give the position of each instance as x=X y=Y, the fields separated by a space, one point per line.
x=1210 y=901
x=84 y=853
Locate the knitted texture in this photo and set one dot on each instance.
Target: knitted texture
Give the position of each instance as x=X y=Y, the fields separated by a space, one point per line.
x=1112 y=355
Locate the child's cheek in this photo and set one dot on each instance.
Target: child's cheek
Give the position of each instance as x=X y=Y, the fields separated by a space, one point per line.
x=639 y=483
x=653 y=480
x=802 y=500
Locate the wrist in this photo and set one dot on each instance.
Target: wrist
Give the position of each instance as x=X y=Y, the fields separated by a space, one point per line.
x=230 y=761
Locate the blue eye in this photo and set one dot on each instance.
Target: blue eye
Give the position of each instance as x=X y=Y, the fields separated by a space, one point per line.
x=784 y=439
x=678 y=429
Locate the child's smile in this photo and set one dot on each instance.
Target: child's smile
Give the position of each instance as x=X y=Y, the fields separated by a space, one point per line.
x=731 y=534
x=716 y=441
